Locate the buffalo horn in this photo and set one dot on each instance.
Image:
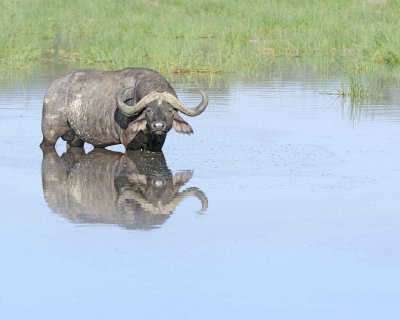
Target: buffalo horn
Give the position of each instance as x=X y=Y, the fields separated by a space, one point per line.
x=160 y=96
x=137 y=107
x=192 y=112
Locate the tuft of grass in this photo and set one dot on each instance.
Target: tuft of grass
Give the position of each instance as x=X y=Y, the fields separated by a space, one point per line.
x=393 y=59
x=355 y=90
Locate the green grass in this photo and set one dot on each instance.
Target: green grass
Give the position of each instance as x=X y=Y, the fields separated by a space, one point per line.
x=203 y=36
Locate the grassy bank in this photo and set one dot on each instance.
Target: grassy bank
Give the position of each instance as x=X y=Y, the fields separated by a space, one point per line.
x=200 y=36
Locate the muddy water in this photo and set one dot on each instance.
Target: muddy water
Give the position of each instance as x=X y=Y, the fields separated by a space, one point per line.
x=283 y=204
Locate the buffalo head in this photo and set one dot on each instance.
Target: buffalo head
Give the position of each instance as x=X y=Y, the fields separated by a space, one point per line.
x=155 y=113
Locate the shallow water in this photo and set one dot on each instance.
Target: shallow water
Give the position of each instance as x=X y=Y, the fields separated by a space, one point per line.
x=283 y=204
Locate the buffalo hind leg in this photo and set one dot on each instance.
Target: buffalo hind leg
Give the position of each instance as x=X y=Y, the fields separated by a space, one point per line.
x=53 y=127
x=50 y=137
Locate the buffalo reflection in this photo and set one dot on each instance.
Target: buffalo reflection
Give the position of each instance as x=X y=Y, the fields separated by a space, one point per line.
x=136 y=190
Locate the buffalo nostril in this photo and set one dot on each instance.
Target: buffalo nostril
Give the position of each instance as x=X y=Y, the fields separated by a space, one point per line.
x=159 y=125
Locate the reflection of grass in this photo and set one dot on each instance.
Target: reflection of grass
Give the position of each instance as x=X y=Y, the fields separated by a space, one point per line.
x=200 y=36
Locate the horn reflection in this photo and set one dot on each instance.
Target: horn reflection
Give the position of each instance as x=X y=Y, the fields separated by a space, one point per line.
x=135 y=190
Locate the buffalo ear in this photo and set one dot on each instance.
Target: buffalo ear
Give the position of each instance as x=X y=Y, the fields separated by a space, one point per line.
x=137 y=125
x=182 y=126
x=133 y=128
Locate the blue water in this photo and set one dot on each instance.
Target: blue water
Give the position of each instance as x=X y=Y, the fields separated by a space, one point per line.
x=300 y=219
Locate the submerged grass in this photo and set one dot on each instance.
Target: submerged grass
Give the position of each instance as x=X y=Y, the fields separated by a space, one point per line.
x=203 y=36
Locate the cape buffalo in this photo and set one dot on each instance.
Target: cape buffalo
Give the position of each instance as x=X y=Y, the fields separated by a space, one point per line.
x=135 y=107
x=135 y=190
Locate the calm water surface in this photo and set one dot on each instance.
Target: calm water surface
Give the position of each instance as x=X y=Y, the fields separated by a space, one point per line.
x=284 y=204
